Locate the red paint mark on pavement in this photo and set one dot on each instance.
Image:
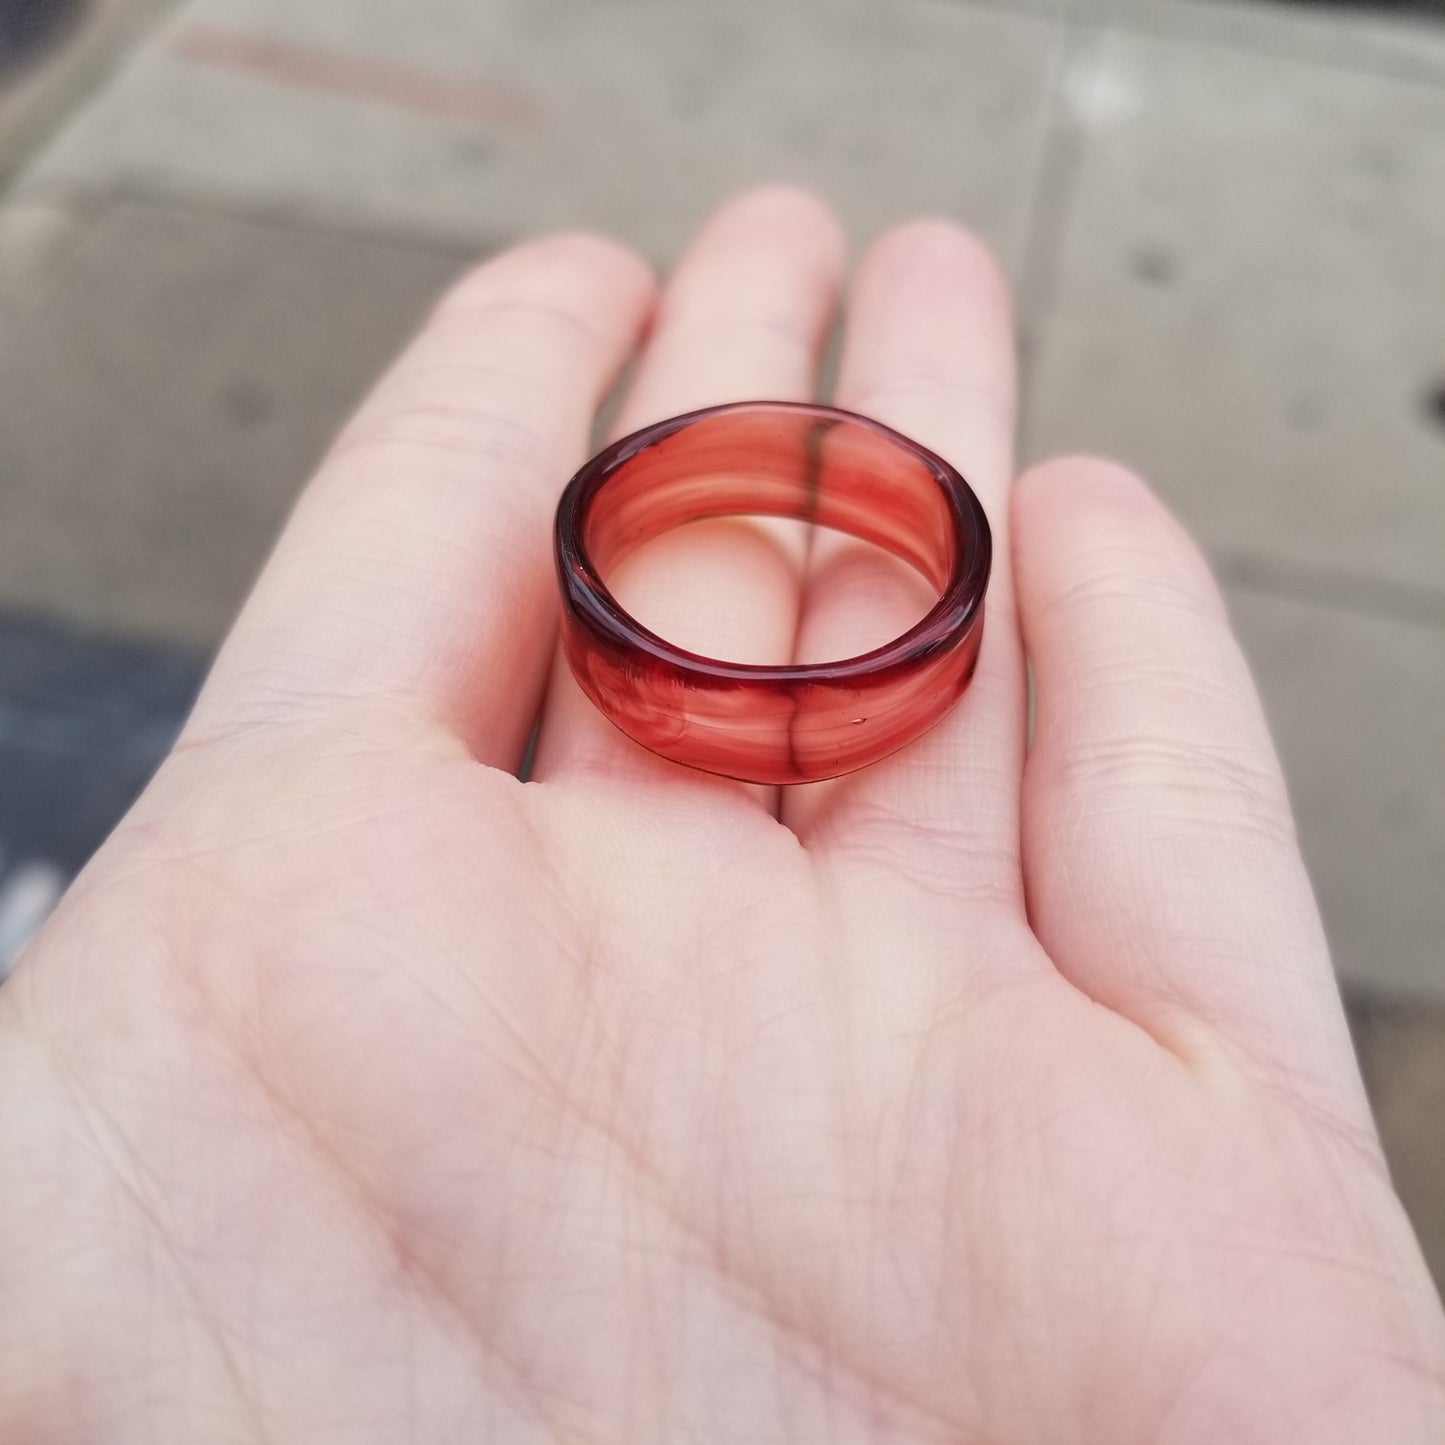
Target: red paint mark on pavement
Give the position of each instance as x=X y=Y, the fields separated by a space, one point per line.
x=381 y=81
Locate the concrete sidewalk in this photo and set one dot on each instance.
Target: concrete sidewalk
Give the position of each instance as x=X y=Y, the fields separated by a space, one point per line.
x=1225 y=221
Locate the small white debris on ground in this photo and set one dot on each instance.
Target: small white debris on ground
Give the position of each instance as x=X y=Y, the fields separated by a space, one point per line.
x=28 y=895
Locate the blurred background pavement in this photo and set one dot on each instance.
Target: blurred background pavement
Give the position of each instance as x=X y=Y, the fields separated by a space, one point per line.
x=1226 y=220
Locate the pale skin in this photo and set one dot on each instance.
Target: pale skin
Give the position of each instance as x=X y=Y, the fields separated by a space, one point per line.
x=359 y=1092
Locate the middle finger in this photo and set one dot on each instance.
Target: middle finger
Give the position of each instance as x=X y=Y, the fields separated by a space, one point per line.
x=743 y=319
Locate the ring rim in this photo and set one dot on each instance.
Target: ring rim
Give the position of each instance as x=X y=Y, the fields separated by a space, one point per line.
x=592 y=604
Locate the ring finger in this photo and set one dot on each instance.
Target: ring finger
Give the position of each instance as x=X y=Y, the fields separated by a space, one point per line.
x=929 y=350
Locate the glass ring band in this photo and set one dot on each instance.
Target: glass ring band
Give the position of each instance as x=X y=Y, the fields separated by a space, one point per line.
x=759 y=723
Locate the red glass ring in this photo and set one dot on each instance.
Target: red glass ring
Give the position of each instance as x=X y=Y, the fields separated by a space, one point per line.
x=759 y=723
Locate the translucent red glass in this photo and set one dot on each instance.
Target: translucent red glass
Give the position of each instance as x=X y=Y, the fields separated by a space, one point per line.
x=760 y=723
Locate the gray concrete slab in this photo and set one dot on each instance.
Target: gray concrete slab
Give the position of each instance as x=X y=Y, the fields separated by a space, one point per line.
x=1246 y=298
x=35 y=97
x=457 y=118
x=1357 y=704
x=1402 y=1053
x=164 y=393
x=1361 y=36
x=34 y=237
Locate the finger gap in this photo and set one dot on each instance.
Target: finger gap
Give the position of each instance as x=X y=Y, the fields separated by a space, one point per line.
x=857 y=596
x=717 y=587
x=697 y=585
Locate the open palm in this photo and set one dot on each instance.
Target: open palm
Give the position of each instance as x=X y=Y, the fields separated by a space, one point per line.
x=361 y=1092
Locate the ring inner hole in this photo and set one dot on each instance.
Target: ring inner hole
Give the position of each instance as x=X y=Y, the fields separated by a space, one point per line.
x=839 y=476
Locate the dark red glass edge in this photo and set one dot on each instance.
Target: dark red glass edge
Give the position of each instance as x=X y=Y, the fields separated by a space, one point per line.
x=944 y=626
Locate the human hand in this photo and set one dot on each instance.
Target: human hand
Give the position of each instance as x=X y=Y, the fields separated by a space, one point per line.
x=361 y=1092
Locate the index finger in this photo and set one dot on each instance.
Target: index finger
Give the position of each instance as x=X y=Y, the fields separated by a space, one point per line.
x=417 y=566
